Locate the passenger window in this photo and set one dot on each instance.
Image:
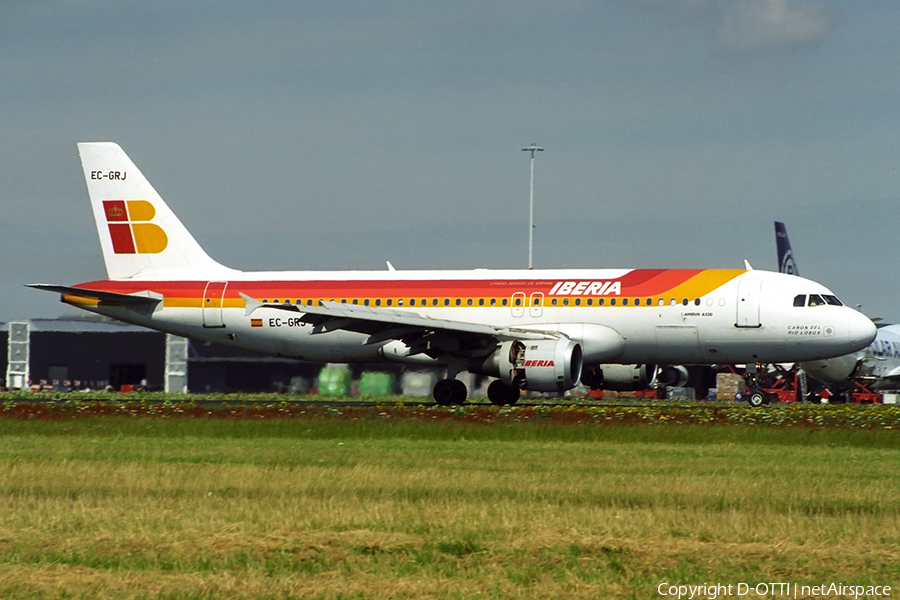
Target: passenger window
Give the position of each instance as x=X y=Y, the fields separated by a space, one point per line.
x=390 y=301
x=624 y=301
x=590 y=301
x=684 y=302
x=553 y=302
x=493 y=301
x=469 y=302
x=446 y=301
x=505 y=302
x=800 y=300
x=612 y=301
x=481 y=302
x=565 y=301
x=378 y=302
x=366 y=301
x=518 y=302
x=673 y=302
x=458 y=301
x=600 y=302
x=355 y=301
x=434 y=301
x=400 y=302
x=661 y=302
x=309 y=302
x=577 y=301
x=412 y=301
x=696 y=301
x=815 y=300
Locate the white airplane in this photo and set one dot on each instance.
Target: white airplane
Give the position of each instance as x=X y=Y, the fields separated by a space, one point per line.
x=532 y=329
x=877 y=365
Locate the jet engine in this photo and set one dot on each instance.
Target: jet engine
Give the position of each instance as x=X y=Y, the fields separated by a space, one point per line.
x=537 y=365
x=620 y=378
x=673 y=376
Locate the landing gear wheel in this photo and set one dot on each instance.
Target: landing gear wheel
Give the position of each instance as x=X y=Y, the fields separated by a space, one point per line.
x=501 y=394
x=460 y=392
x=757 y=399
x=514 y=393
x=497 y=393
x=443 y=392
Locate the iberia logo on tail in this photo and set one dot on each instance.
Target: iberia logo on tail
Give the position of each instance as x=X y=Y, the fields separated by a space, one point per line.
x=130 y=229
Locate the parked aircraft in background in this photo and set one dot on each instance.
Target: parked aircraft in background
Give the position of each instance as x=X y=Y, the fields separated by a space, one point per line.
x=786 y=262
x=877 y=365
x=532 y=329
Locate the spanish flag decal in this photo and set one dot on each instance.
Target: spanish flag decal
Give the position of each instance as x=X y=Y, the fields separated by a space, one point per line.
x=255 y=322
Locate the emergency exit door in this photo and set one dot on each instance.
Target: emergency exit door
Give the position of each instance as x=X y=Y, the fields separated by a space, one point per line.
x=213 y=299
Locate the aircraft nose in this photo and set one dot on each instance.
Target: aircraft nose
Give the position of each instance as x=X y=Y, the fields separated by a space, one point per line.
x=860 y=330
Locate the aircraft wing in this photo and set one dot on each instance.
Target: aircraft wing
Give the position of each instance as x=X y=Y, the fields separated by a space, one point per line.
x=145 y=299
x=417 y=331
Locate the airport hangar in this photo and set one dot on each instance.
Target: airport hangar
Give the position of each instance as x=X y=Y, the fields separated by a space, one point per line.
x=100 y=354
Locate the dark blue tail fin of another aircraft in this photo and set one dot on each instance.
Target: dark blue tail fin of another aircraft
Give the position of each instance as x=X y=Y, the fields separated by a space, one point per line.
x=786 y=262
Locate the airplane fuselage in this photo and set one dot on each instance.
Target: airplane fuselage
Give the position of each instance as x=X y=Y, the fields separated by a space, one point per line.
x=878 y=364
x=666 y=316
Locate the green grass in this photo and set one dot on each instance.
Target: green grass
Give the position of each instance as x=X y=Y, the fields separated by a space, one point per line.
x=119 y=507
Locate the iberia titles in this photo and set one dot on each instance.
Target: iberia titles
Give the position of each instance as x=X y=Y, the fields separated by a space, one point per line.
x=586 y=288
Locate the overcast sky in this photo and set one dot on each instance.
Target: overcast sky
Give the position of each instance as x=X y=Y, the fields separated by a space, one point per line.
x=339 y=135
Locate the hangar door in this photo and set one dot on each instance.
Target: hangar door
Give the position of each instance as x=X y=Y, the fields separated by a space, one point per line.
x=213 y=298
x=748 y=303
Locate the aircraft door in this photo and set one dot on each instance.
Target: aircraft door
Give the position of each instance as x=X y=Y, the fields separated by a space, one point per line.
x=518 y=304
x=213 y=299
x=748 y=303
x=536 y=304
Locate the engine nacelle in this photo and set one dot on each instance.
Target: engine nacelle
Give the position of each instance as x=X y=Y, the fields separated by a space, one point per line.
x=673 y=376
x=540 y=365
x=622 y=378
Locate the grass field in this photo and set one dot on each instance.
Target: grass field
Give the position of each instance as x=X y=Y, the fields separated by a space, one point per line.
x=310 y=507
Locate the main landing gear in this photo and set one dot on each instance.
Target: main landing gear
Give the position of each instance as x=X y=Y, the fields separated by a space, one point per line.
x=501 y=394
x=450 y=391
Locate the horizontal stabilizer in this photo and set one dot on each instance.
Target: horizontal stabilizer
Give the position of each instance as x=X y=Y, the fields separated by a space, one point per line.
x=146 y=298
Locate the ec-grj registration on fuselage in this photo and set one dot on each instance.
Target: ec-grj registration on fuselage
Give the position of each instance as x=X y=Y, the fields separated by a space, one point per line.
x=531 y=329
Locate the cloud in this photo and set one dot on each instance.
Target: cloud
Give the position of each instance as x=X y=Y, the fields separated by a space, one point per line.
x=761 y=24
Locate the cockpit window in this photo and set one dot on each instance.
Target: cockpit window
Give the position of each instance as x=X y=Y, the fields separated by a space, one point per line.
x=832 y=300
x=815 y=300
x=800 y=300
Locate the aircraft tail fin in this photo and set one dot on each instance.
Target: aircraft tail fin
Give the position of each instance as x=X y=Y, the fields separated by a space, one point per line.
x=140 y=236
x=786 y=262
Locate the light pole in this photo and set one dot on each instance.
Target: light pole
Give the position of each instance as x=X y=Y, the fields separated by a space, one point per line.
x=532 y=148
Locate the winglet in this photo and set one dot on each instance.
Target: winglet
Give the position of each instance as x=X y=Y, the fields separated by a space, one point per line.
x=747 y=265
x=390 y=266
